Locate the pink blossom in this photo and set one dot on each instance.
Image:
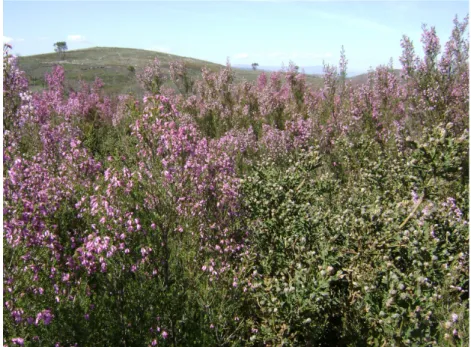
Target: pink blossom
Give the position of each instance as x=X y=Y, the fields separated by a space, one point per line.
x=18 y=341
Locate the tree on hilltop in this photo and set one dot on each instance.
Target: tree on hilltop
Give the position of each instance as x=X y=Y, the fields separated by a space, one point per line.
x=254 y=66
x=60 y=47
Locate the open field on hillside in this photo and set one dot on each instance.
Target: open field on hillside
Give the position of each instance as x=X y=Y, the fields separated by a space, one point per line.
x=111 y=65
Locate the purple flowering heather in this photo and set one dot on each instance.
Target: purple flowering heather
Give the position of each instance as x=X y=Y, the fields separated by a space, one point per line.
x=82 y=228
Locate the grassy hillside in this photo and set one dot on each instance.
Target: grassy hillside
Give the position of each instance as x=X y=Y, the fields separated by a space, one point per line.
x=111 y=65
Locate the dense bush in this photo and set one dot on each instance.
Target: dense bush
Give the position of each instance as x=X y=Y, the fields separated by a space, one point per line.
x=362 y=252
x=241 y=214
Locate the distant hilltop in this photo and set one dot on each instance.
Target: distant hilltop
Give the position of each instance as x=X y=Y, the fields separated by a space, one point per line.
x=112 y=65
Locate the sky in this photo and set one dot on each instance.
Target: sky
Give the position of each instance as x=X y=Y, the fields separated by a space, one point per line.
x=270 y=33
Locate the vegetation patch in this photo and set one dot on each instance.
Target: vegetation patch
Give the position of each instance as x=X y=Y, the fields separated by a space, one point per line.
x=215 y=211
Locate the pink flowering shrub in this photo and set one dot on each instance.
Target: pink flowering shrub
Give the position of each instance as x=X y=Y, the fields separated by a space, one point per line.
x=237 y=213
x=151 y=77
x=180 y=76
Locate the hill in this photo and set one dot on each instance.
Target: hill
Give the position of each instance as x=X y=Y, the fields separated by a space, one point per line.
x=112 y=64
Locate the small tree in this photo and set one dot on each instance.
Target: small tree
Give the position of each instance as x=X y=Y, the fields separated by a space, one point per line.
x=60 y=47
x=131 y=69
x=254 y=66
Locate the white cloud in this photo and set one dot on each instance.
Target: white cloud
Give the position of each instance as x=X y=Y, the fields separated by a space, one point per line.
x=241 y=56
x=9 y=40
x=76 y=38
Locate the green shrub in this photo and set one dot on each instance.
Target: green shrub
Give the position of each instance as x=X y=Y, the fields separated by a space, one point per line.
x=371 y=250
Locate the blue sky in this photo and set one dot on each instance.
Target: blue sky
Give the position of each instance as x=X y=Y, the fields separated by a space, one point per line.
x=267 y=32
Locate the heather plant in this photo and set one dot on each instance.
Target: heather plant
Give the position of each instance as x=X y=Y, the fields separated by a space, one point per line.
x=437 y=81
x=297 y=86
x=151 y=78
x=70 y=233
x=179 y=75
x=15 y=88
x=215 y=103
x=220 y=105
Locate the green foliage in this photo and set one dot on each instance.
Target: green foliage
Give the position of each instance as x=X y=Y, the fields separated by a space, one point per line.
x=344 y=254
